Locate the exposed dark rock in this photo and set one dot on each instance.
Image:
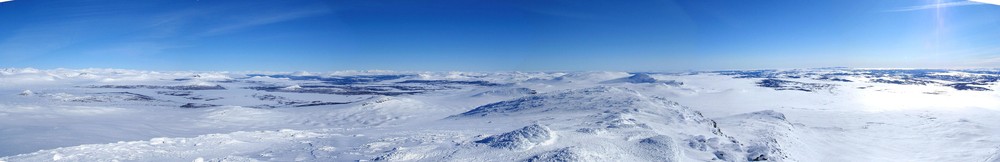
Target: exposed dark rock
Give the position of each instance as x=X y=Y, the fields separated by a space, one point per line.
x=778 y=84
x=197 y=105
x=204 y=98
x=174 y=93
x=285 y=102
x=967 y=87
x=904 y=81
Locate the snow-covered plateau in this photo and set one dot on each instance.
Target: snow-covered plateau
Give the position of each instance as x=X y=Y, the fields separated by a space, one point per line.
x=825 y=114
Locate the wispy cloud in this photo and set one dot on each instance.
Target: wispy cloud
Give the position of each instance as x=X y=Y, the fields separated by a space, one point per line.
x=80 y=29
x=946 y=5
x=133 y=49
x=39 y=40
x=259 y=20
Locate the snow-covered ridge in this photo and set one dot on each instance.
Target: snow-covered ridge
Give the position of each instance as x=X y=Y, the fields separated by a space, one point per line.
x=606 y=99
x=640 y=78
x=598 y=98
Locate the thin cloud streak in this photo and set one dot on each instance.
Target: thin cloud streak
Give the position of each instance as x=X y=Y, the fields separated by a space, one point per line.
x=270 y=19
x=934 y=6
x=134 y=49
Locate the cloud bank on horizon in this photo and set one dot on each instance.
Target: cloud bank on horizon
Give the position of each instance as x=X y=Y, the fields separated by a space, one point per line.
x=660 y=35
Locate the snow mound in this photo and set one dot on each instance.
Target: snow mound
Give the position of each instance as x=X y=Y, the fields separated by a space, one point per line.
x=563 y=154
x=769 y=115
x=641 y=78
x=718 y=147
x=767 y=134
x=302 y=73
x=26 y=93
x=635 y=78
x=589 y=76
x=660 y=147
x=292 y=87
x=521 y=139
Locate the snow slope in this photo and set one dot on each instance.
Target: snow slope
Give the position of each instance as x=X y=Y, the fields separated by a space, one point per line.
x=835 y=114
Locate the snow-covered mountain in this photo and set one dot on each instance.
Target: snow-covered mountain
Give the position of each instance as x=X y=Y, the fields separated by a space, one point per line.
x=830 y=114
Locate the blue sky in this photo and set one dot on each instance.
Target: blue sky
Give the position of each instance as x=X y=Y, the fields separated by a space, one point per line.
x=497 y=35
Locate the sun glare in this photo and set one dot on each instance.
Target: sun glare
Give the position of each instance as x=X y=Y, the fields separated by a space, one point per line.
x=995 y=2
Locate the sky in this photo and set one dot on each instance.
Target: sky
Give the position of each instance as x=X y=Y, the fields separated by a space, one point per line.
x=498 y=35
